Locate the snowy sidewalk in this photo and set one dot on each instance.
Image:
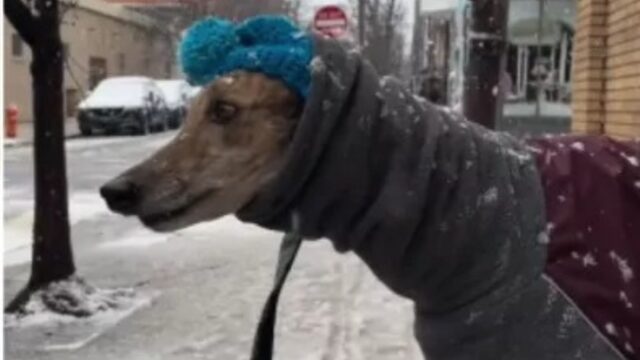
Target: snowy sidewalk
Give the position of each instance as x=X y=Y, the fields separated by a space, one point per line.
x=25 y=133
x=207 y=285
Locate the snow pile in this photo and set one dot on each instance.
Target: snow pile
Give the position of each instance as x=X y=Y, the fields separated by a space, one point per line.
x=68 y=300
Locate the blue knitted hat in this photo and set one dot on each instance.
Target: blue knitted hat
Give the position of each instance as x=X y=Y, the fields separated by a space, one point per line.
x=272 y=45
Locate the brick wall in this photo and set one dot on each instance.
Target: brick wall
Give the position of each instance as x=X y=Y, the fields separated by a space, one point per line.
x=606 y=78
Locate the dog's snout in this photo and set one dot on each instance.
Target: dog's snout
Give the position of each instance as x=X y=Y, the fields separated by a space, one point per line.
x=122 y=195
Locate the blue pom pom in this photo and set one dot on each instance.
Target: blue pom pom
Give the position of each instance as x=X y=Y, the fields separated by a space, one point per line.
x=287 y=63
x=272 y=45
x=268 y=29
x=204 y=48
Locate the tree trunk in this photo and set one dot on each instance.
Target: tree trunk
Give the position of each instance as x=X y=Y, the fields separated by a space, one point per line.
x=52 y=254
x=388 y=37
x=417 y=43
x=487 y=49
x=362 y=18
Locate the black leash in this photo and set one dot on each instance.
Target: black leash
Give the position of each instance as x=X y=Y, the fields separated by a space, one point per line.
x=263 y=339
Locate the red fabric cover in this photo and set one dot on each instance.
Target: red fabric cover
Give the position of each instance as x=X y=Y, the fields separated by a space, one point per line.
x=592 y=193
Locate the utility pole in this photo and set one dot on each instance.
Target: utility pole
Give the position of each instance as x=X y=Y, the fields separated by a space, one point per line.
x=487 y=50
x=361 y=24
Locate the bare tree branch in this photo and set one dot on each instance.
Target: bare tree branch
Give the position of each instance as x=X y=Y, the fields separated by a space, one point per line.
x=22 y=19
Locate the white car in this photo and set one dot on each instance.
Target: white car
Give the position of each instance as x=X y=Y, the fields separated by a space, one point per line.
x=132 y=104
x=176 y=93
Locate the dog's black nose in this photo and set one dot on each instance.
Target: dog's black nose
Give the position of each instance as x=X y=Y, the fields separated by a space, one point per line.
x=122 y=195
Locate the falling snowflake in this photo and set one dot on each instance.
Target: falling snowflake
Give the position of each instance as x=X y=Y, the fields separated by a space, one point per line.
x=625 y=299
x=521 y=156
x=385 y=80
x=631 y=159
x=489 y=196
x=578 y=146
x=543 y=238
x=336 y=80
x=473 y=315
x=611 y=329
x=317 y=65
x=589 y=260
x=628 y=348
x=550 y=227
x=549 y=156
x=623 y=266
x=227 y=80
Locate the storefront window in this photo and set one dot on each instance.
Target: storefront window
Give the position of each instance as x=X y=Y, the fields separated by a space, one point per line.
x=537 y=78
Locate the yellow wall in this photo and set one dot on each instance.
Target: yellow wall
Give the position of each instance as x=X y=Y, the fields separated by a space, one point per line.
x=606 y=79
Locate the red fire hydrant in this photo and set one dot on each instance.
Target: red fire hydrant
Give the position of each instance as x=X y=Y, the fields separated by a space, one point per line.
x=11 y=121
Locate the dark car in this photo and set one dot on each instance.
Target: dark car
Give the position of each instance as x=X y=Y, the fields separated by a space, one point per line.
x=132 y=105
x=176 y=93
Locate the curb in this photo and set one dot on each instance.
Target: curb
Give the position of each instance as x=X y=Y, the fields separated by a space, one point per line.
x=25 y=142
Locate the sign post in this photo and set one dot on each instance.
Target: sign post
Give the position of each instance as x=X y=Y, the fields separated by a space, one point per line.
x=331 y=21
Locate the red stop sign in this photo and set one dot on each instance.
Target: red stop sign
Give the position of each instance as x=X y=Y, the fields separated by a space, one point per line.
x=331 y=21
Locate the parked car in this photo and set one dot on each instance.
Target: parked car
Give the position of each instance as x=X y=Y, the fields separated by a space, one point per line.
x=176 y=93
x=132 y=104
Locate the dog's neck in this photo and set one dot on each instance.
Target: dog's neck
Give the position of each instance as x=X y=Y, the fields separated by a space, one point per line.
x=423 y=197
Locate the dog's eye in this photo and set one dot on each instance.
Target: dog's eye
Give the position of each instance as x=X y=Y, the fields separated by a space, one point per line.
x=223 y=112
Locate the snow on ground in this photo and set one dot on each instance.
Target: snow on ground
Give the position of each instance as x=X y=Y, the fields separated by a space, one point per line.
x=137 y=238
x=69 y=314
x=17 y=230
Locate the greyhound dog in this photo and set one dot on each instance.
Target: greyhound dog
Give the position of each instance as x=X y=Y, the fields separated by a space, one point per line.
x=232 y=143
x=444 y=212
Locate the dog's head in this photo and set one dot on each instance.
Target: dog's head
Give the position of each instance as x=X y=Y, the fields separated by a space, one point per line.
x=232 y=143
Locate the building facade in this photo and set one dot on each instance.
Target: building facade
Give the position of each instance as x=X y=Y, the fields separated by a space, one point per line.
x=572 y=65
x=99 y=40
x=607 y=68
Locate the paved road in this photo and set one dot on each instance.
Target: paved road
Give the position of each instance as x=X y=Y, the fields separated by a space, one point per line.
x=207 y=283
